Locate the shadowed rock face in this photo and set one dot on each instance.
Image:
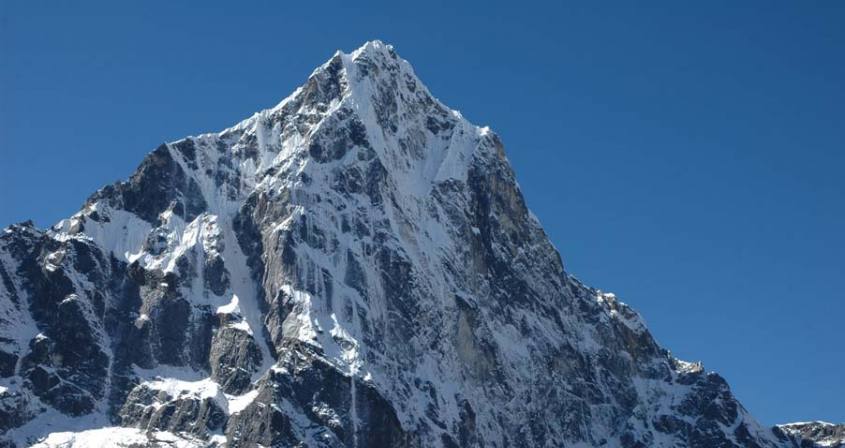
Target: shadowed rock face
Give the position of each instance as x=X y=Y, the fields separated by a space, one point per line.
x=355 y=267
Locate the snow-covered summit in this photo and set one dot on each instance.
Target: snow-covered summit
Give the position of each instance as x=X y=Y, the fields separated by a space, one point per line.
x=355 y=266
x=815 y=433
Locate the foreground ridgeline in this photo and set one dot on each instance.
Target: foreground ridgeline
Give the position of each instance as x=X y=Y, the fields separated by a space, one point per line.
x=354 y=267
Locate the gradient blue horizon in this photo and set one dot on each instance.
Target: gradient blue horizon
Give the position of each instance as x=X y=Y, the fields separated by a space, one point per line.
x=688 y=157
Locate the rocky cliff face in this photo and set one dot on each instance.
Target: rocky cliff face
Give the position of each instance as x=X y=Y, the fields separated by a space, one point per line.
x=355 y=267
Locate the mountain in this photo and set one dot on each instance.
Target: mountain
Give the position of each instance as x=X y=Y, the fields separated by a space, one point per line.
x=354 y=267
x=812 y=434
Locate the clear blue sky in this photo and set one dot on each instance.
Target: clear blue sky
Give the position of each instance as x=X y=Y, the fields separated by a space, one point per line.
x=688 y=156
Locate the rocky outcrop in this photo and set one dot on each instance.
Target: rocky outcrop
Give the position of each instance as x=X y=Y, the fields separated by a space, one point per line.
x=353 y=267
x=811 y=434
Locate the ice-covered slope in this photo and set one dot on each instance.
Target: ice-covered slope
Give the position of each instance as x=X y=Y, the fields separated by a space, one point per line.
x=353 y=267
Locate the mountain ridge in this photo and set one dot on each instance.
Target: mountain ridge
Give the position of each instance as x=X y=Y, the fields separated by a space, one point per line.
x=354 y=266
